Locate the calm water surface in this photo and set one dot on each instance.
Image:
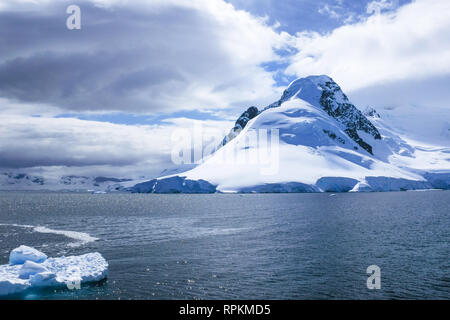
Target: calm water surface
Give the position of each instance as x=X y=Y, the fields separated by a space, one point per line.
x=261 y=246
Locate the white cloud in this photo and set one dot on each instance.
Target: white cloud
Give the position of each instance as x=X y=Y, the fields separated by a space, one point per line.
x=410 y=43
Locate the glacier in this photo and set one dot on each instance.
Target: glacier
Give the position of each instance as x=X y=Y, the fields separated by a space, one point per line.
x=326 y=144
x=30 y=268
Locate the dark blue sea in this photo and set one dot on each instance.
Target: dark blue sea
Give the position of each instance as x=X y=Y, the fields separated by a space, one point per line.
x=252 y=246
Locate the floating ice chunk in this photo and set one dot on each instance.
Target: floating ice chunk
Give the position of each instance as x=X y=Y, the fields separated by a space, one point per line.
x=43 y=279
x=23 y=253
x=68 y=272
x=31 y=268
x=85 y=268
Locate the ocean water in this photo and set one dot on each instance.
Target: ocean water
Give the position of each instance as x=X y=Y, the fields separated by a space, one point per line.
x=252 y=246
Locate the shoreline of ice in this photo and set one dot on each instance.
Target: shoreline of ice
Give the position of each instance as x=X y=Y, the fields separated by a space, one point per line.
x=181 y=184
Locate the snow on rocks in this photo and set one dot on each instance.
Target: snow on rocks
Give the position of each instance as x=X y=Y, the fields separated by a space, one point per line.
x=50 y=272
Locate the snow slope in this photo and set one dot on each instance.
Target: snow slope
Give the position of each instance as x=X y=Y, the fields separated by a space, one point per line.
x=325 y=144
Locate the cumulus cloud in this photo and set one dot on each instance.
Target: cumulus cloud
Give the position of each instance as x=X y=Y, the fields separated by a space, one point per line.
x=409 y=43
x=136 y=56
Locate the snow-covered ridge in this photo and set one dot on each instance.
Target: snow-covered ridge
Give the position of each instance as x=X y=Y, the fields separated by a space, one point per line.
x=24 y=181
x=325 y=144
x=321 y=91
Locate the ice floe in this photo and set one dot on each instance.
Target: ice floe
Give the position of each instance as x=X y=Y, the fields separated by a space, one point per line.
x=29 y=269
x=23 y=253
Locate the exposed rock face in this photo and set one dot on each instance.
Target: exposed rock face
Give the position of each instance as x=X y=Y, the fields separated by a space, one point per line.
x=337 y=105
x=240 y=124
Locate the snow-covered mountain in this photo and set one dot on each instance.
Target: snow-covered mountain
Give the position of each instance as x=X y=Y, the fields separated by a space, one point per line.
x=325 y=144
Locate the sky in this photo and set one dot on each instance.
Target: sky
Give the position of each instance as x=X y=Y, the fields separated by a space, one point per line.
x=106 y=99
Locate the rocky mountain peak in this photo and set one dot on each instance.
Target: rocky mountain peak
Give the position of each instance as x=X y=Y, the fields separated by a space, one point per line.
x=324 y=93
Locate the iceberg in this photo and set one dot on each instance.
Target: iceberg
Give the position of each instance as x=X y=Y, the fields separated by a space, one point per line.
x=29 y=269
x=23 y=253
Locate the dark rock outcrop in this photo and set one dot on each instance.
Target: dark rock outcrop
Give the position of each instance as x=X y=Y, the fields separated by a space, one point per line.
x=240 y=124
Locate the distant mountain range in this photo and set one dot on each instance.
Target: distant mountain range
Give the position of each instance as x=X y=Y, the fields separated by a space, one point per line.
x=23 y=181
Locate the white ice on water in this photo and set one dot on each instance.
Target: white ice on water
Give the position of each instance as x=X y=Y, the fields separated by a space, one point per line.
x=30 y=268
x=23 y=253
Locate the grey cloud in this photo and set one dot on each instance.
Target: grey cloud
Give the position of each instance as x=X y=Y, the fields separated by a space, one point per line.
x=33 y=142
x=83 y=81
x=30 y=142
x=39 y=158
x=124 y=58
